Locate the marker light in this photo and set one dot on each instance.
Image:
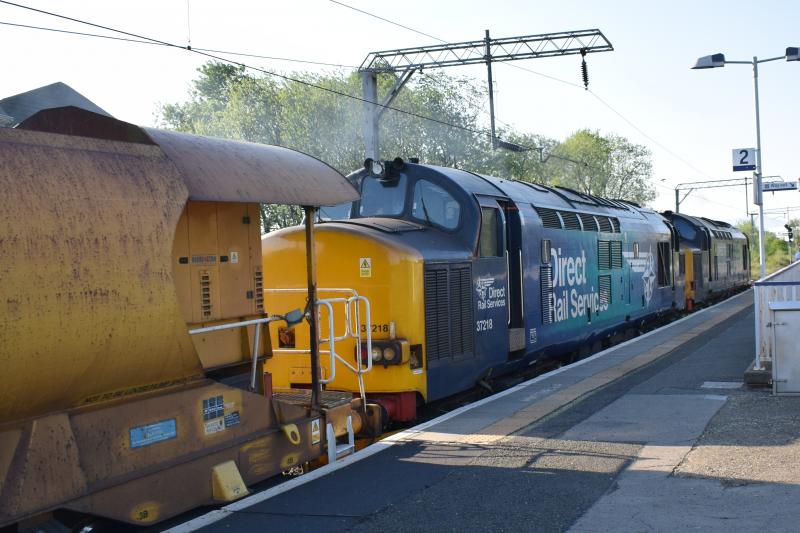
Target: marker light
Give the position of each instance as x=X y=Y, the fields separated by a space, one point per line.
x=377 y=353
x=389 y=353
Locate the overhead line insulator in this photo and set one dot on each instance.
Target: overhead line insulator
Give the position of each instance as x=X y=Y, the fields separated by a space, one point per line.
x=584 y=69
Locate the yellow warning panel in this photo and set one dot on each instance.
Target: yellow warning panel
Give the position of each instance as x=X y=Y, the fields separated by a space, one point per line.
x=316 y=434
x=365 y=267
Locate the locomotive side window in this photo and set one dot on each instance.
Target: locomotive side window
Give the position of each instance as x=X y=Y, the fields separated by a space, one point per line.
x=435 y=205
x=491 y=241
x=664 y=270
x=383 y=198
x=686 y=230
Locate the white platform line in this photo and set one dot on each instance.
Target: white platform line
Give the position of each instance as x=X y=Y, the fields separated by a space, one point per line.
x=385 y=444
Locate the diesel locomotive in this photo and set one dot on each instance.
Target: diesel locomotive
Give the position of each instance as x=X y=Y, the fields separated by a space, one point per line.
x=714 y=257
x=470 y=277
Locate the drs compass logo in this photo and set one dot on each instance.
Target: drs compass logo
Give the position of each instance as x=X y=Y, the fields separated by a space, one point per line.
x=489 y=296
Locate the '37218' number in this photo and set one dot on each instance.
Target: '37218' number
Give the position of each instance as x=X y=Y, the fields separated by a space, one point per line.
x=484 y=325
x=376 y=328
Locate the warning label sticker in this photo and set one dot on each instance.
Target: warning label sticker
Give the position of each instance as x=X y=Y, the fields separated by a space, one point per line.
x=214 y=426
x=315 y=433
x=365 y=267
x=232 y=419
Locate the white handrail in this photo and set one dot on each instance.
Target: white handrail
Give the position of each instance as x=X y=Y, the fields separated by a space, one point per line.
x=352 y=314
x=331 y=342
x=349 y=333
x=257 y=322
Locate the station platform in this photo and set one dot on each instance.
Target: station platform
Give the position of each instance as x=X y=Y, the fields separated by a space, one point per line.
x=655 y=434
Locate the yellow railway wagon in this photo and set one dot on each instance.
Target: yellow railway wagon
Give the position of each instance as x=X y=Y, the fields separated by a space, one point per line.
x=116 y=242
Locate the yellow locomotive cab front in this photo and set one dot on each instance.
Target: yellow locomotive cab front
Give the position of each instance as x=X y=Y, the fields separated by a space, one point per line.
x=352 y=260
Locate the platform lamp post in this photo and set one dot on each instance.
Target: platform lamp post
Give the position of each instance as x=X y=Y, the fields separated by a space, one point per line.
x=718 y=60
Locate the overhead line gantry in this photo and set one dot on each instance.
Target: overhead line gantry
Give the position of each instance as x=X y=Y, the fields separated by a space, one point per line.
x=406 y=61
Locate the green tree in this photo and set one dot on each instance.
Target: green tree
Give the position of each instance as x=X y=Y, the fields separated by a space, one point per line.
x=795 y=225
x=776 y=249
x=226 y=101
x=608 y=166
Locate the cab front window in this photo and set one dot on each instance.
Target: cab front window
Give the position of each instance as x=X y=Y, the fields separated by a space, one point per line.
x=435 y=205
x=383 y=198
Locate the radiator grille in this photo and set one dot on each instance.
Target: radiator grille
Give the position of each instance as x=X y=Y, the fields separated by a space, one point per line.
x=448 y=311
x=589 y=223
x=546 y=291
x=549 y=218
x=603 y=255
x=604 y=284
x=616 y=254
x=258 y=278
x=605 y=224
x=570 y=220
x=205 y=293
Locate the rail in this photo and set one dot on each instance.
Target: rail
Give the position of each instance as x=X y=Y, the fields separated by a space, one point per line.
x=782 y=286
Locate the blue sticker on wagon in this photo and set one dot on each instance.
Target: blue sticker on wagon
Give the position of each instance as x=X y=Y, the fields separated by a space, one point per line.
x=153 y=433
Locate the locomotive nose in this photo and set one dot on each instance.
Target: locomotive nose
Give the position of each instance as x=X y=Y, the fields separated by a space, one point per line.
x=353 y=260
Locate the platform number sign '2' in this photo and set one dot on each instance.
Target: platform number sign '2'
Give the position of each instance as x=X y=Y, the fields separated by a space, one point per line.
x=744 y=159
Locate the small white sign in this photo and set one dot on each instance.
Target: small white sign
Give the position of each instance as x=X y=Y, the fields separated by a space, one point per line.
x=365 y=267
x=744 y=159
x=769 y=186
x=234 y=257
x=214 y=426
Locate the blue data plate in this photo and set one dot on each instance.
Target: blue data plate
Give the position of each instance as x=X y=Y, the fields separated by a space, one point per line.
x=153 y=433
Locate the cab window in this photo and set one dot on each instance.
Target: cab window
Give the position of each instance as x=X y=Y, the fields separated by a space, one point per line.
x=490 y=243
x=335 y=212
x=383 y=198
x=435 y=205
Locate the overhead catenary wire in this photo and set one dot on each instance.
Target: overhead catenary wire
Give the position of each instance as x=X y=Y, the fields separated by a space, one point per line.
x=553 y=78
x=152 y=43
x=141 y=39
x=134 y=37
x=240 y=64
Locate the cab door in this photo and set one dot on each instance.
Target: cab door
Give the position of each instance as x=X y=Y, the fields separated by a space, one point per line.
x=515 y=272
x=491 y=282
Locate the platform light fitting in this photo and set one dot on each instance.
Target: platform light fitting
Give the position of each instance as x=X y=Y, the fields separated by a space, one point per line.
x=712 y=61
x=792 y=53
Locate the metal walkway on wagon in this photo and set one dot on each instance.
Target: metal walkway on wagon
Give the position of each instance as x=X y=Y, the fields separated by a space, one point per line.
x=655 y=434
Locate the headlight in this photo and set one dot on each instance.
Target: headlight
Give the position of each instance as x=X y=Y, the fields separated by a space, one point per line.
x=389 y=353
x=377 y=354
x=384 y=352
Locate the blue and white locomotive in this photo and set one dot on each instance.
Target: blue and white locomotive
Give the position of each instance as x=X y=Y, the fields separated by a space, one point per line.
x=473 y=276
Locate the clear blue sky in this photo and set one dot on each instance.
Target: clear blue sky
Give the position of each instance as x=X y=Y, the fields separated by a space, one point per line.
x=691 y=119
